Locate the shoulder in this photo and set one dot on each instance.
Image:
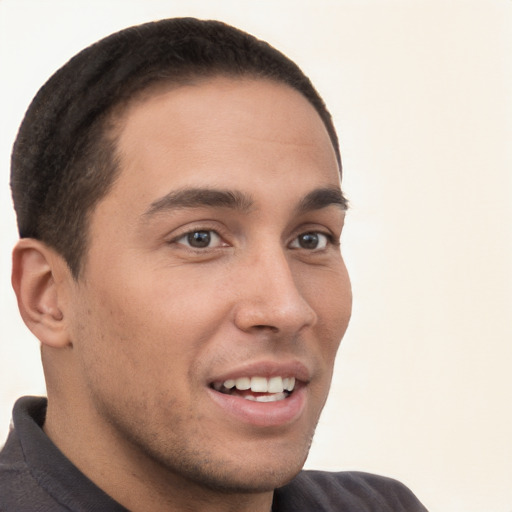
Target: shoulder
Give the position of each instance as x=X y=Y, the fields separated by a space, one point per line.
x=19 y=490
x=354 y=491
x=36 y=475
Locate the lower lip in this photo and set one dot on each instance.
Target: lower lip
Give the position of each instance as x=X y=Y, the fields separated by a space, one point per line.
x=262 y=414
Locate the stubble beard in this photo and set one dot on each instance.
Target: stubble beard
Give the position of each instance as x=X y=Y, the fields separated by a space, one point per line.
x=204 y=469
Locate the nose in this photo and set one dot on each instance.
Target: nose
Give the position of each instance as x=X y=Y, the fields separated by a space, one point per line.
x=269 y=298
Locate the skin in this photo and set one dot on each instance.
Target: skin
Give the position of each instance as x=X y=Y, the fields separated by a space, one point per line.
x=132 y=347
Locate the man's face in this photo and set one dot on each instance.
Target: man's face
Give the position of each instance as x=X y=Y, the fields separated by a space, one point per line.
x=212 y=263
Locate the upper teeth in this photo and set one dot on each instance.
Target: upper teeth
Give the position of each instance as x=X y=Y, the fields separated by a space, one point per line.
x=259 y=384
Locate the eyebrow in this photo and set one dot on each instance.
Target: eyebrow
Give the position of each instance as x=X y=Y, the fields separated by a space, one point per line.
x=322 y=198
x=200 y=197
x=236 y=200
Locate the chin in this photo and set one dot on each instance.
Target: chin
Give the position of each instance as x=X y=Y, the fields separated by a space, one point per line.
x=257 y=472
x=249 y=480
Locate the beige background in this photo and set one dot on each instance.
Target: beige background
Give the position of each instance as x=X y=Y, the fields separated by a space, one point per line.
x=421 y=92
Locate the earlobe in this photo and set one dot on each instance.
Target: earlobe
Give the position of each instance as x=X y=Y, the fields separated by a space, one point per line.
x=34 y=279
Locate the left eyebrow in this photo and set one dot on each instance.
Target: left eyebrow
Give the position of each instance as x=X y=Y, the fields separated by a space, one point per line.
x=321 y=198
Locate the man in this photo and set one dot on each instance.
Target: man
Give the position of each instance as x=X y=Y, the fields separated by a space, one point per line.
x=177 y=187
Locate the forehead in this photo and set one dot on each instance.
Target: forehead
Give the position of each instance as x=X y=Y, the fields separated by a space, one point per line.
x=220 y=132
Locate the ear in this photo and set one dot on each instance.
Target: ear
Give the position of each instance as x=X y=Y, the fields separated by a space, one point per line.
x=35 y=272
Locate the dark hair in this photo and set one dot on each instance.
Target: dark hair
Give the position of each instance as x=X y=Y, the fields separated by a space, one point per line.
x=63 y=160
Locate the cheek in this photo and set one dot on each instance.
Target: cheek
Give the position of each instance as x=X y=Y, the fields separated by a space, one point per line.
x=329 y=293
x=139 y=326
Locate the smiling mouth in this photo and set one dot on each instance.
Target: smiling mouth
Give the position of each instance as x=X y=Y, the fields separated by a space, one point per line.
x=257 y=389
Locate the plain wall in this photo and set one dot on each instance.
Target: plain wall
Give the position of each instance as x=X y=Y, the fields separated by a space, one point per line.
x=421 y=93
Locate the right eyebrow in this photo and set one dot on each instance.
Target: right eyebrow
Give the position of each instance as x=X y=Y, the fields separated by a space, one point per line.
x=200 y=197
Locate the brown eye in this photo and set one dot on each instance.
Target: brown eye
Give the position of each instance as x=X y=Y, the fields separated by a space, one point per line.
x=310 y=241
x=201 y=239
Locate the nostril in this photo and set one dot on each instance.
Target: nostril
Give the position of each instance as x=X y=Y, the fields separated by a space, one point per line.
x=266 y=327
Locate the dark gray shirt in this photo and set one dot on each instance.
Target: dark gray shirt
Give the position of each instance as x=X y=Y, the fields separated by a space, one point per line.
x=36 y=477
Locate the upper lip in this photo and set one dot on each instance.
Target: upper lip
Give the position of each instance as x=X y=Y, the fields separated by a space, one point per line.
x=291 y=368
